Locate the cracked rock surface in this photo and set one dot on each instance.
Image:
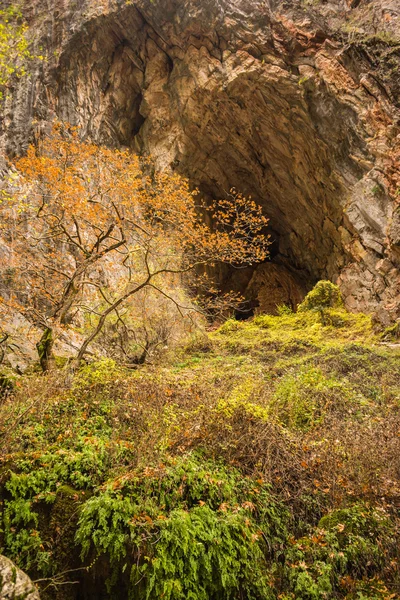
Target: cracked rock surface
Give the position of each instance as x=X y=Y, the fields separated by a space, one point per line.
x=295 y=103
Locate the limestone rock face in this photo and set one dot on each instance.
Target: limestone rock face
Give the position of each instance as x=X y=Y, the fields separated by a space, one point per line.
x=14 y=584
x=295 y=103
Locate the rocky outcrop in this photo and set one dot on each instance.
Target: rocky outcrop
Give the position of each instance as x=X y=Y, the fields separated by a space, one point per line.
x=295 y=103
x=14 y=584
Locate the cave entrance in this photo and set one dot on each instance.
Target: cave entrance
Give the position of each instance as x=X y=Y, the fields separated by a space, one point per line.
x=244 y=313
x=224 y=121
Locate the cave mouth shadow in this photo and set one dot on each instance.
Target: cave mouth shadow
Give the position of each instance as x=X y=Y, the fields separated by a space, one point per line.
x=248 y=125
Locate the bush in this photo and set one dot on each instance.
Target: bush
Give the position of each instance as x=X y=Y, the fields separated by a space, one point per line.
x=231 y=325
x=192 y=529
x=324 y=294
x=283 y=309
x=392 y=333
x=348 y=544
x=301 y=401
x=8 y=379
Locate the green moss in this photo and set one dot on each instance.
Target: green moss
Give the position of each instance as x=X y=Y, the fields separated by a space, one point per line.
x=8 y=381
x=205 y=476
x=45 y=348
x=244 y=396
x=392 y=332
x=325 y=294
x=61 y=361
x=302 y=400
x=231 y=325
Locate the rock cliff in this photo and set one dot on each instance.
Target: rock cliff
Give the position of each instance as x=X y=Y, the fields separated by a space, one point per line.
x=294 y=102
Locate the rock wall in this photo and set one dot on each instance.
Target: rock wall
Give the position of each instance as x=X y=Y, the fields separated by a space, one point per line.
x=14 y=584
x=296 y=103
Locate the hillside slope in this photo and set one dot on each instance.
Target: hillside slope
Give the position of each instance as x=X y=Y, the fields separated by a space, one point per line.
x=260 y=461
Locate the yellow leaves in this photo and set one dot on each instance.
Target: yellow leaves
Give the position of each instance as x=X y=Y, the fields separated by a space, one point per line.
x=14 y=50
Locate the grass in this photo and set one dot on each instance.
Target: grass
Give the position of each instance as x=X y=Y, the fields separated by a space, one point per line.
x=259 y=461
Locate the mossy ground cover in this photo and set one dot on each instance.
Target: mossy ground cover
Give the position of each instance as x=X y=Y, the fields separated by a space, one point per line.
x=259 y=461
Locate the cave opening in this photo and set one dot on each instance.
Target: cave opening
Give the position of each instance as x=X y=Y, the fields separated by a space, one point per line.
x=223 y=122
x=243 y=313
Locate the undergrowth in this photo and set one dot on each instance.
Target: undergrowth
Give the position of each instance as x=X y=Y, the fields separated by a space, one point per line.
x=260 y=461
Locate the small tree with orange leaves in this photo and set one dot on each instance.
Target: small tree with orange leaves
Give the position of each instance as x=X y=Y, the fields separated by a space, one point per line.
x=90 y=228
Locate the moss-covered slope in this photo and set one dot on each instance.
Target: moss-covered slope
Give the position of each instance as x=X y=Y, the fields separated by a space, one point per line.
x=261 y=461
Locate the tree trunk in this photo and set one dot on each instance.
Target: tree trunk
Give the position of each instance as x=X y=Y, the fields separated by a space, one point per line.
x=45 y=348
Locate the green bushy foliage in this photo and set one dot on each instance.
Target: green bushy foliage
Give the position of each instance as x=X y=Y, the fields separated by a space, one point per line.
x=231 y=325
x=206 y=478
x=194 y=528
x=302 y=400
x=324 y=294
x=283 y=309
x=8 y=380
x=205 y=554
x=35 y=484
x=347 y=545
x=392 y=332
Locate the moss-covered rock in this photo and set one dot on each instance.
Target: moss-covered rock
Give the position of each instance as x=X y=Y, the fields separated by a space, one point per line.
x=324 y=294
x=8 y=379
x=45 y=348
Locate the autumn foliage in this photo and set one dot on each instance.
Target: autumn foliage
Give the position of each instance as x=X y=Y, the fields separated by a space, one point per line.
x=90 y=227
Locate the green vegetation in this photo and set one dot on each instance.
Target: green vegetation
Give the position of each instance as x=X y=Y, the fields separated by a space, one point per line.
x=260 y=461
x=324 y=295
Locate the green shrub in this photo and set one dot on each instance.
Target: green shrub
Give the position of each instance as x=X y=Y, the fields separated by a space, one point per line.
x=8 y=380
x=283 y=309
x=204 y=554
x=192 y=529
x=36 y=485
x=392 y=332
x=324 y=294
x=348 y=542
x=301 y=401
x=231 y=325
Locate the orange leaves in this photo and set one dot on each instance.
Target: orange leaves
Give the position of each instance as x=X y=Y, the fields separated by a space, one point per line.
x=93 y=226
x=248 y=506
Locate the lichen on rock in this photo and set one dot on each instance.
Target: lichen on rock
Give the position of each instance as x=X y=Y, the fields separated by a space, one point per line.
x=14 y=584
